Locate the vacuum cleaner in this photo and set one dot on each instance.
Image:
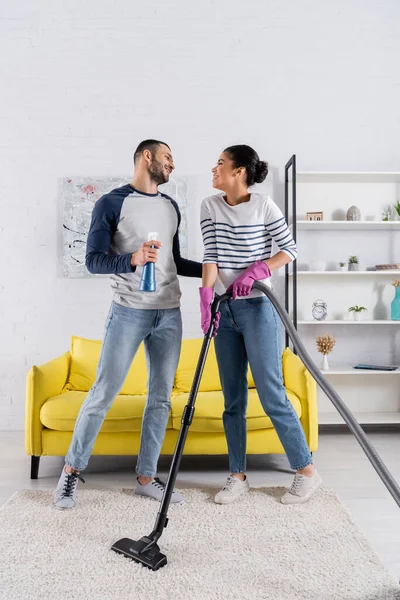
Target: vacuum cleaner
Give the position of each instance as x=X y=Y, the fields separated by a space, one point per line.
x=146 y=550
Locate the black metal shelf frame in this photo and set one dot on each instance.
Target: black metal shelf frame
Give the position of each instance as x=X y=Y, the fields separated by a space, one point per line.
x=291 y=164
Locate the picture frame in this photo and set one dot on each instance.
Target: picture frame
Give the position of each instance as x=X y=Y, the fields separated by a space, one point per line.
x=315 y=216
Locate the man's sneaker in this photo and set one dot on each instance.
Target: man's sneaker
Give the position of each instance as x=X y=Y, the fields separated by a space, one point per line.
x=155 y=489
x=302 y=488
x=65 y=494
x=232 y=489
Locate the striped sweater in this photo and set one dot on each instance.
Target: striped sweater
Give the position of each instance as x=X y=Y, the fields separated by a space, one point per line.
x=234 y=237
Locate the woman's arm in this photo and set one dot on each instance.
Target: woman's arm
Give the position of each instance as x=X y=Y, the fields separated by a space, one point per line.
x=280 y=259
x=210 y=274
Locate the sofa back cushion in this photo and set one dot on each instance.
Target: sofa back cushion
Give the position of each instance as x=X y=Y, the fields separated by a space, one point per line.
x=85 y=356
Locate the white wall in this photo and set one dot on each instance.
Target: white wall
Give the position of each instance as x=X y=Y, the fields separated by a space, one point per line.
x=83 y=82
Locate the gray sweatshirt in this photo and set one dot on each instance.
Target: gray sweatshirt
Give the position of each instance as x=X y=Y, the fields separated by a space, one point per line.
x=121 y=222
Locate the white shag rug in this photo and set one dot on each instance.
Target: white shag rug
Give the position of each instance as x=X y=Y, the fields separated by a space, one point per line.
x=256 y=548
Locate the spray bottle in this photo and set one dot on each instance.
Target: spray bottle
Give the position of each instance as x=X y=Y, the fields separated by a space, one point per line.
x=148 y=279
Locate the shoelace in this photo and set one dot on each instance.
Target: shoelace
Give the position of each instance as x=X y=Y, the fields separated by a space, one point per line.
x=70 y=483
x=296 y=485
x=230 y=482
x=158 y=483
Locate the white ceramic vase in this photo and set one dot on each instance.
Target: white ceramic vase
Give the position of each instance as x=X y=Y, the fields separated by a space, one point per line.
x=325 y=364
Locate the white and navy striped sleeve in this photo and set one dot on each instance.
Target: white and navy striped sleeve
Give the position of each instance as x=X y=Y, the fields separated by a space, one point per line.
x=209 y=238
x=277 y=228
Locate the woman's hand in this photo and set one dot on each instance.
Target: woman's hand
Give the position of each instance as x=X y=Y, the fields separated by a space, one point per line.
x=206 y=299
x=243 y=284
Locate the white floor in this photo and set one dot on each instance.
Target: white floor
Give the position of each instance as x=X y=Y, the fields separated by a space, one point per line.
x=339 y=459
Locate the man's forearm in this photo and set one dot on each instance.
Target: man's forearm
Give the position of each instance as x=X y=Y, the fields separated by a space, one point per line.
x=100 y=263
x=188 y=268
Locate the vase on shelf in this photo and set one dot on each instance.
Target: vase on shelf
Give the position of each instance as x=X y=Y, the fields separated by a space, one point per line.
x=325 y=364
x=353 y=267
x=395 y=306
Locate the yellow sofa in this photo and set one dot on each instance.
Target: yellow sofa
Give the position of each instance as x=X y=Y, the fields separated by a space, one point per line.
x=57 y=389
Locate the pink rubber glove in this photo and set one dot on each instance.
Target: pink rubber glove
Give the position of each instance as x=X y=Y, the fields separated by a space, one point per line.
x=243 y=284
x=206 y=299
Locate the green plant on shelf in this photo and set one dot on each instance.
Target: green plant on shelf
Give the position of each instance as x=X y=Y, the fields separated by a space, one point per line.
x=397 y=208
x=353 y=260
x=357 y=309
x=342 y=264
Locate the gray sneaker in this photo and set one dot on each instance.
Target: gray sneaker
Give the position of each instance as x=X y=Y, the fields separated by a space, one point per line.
x=65 y=494
x=155 y=489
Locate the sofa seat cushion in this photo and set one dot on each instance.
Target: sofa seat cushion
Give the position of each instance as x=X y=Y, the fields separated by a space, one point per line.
x=60 y=412
x=210 y=406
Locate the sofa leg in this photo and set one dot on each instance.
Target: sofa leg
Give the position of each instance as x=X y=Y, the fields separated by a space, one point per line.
x=35 y=460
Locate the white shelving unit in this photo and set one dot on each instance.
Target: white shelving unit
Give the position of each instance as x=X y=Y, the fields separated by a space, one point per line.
x=357 y=225
x=373 y=396
x=383 y=273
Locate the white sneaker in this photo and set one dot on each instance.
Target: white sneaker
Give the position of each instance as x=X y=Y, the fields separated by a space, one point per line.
x=302 y=488
x=65 y=494
x=232 y=489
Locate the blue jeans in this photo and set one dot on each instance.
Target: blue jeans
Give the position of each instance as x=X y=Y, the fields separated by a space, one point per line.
x=125 y=329
x=250 y=331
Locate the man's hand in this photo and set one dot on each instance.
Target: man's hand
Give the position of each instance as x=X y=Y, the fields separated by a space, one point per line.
x=146 y=253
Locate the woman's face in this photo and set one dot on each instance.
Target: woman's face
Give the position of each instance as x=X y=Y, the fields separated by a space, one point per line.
x=224 y=173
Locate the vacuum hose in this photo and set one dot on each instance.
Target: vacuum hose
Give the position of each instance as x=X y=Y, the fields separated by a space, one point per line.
x=333 y=396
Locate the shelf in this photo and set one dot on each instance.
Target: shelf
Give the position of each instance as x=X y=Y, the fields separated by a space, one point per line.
x=348 y=370
x=348 y=177
x=388 y=273
x=345 y=225
x=349 y=322
x=373 y=418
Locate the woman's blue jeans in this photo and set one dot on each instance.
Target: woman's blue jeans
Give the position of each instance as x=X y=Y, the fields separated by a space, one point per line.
x=250 y=331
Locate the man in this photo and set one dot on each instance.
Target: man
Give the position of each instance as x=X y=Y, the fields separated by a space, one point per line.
x=118 y=245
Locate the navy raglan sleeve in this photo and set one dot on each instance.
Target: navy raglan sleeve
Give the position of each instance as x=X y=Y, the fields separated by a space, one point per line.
x=105 y=218
x=185 y=267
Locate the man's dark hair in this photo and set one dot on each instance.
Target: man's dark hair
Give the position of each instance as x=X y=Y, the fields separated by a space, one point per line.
x=151 y=145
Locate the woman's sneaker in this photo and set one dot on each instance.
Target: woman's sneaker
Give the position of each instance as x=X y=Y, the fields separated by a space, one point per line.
x=302 y=488
x=232 y=489
x=65 y=494
x=155 y=489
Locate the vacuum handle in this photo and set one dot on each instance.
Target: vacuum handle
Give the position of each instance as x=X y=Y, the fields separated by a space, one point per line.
x=215 y=308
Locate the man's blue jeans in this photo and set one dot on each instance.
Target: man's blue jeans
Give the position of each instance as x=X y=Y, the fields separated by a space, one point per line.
x=125 y=329
x=250 y=331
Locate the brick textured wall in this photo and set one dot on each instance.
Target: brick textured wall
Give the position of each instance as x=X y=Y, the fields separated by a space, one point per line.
x=83 y=82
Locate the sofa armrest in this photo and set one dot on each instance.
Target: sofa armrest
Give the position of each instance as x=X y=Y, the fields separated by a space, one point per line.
x=299 y=381
x=41 y=383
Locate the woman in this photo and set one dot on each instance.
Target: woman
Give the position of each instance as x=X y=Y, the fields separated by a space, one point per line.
x=238 y=228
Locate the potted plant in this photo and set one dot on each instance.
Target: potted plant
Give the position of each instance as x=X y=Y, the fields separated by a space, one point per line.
x=342 y=266
x=397 y=208
x=353 y=263
x=357 y=310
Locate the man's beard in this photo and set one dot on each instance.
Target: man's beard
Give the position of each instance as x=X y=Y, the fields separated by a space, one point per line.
x=157 y=173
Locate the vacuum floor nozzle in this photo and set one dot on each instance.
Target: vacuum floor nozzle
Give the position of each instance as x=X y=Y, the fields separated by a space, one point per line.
x=151 y=557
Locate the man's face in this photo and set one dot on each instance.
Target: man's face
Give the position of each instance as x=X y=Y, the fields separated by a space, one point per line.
x=162 y=165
